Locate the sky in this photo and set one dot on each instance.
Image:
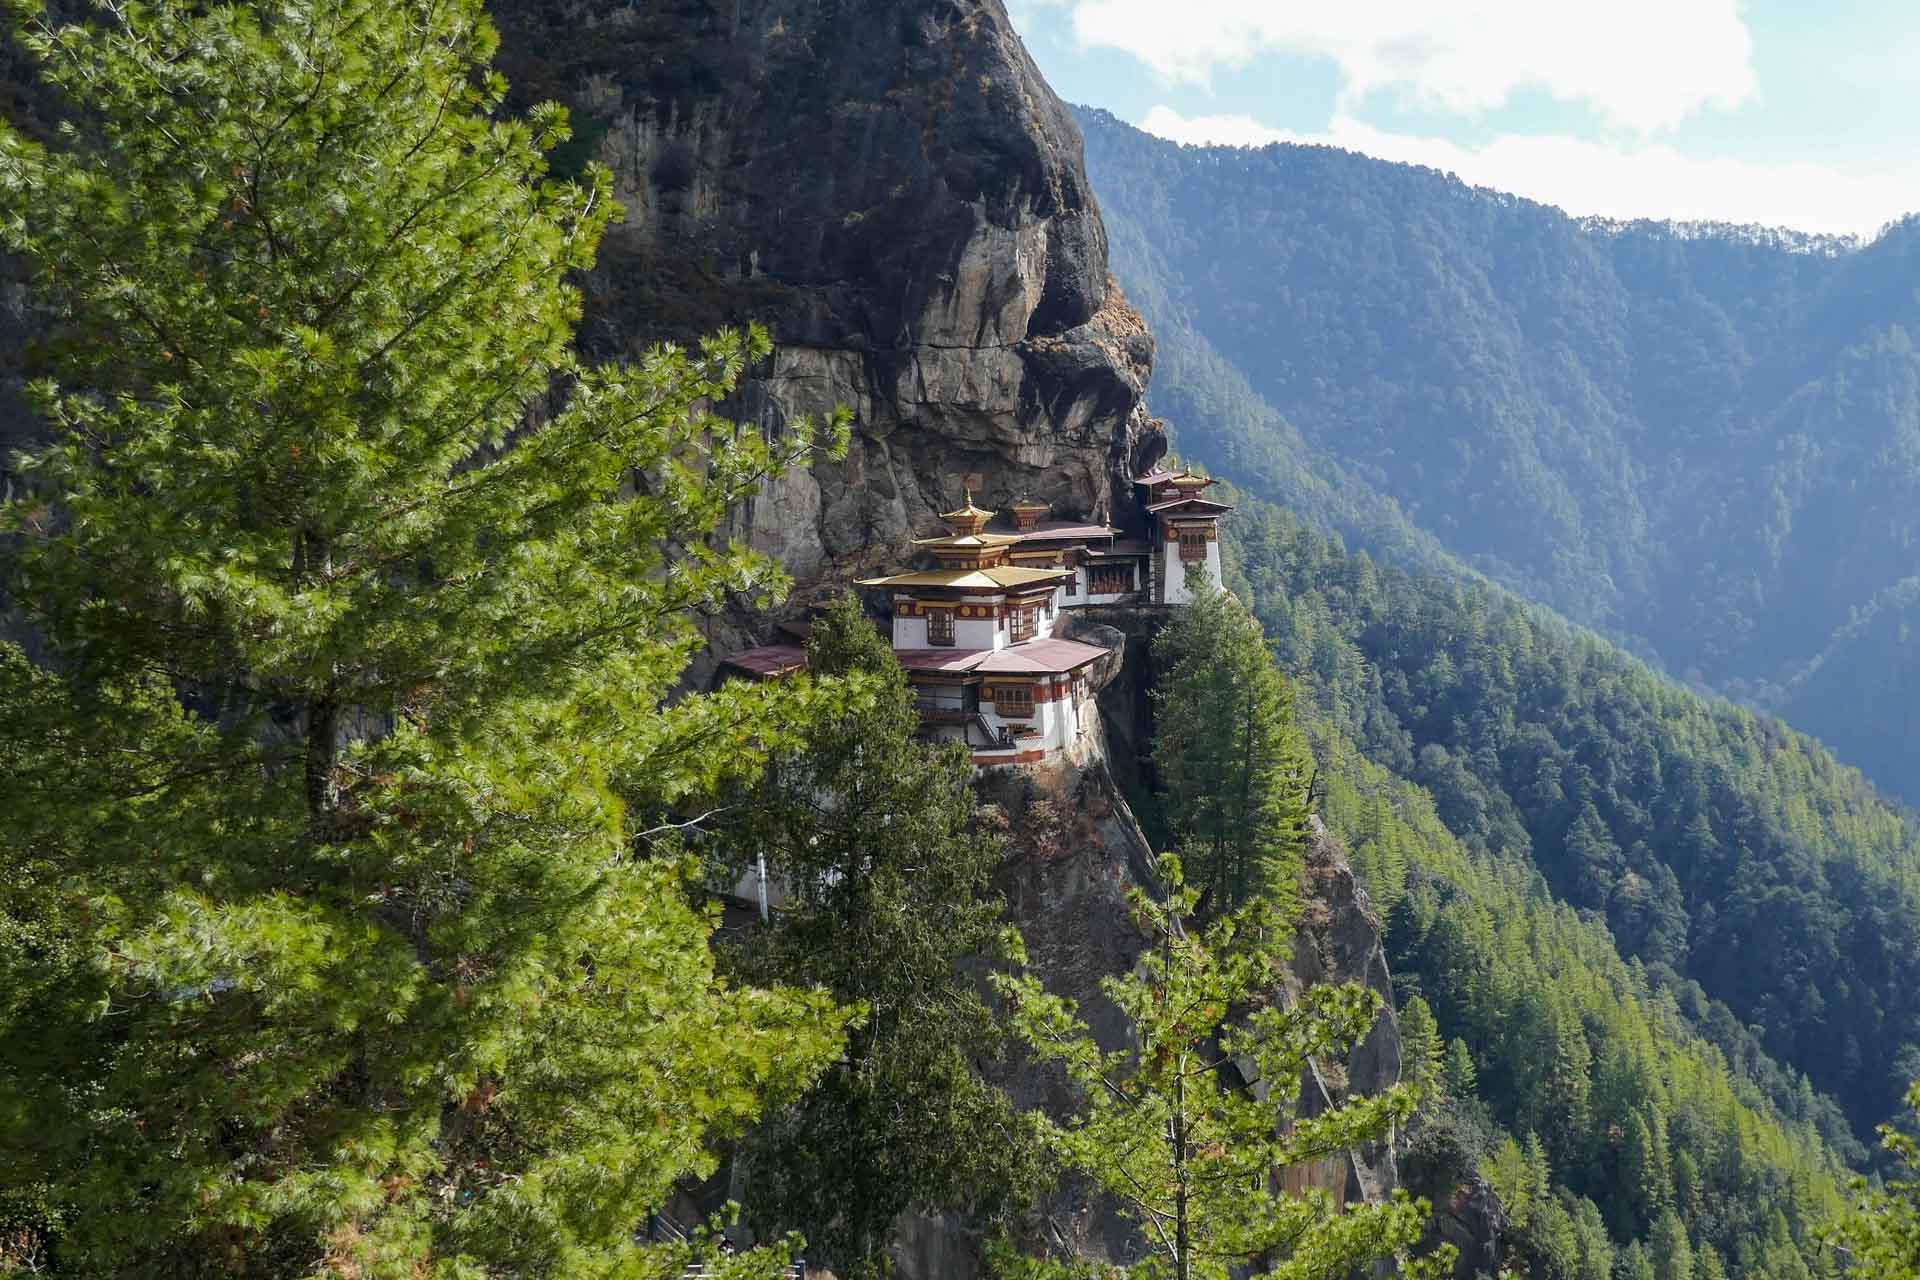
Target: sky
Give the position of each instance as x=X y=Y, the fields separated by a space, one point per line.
x=1786 y=113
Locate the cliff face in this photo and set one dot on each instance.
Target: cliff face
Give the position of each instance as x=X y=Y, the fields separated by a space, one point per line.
x=1074 y=852
x=892 y=188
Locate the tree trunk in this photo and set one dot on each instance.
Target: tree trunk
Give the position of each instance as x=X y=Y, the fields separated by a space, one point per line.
x=1180 y=1263
x=323 y=727
x=1180 y=1243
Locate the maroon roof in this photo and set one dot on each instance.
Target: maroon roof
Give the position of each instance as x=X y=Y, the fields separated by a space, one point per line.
x=1040 y=657
x=1205 y=504
x=1156 y=477
x=1029 y=657
x=768 y=660
x=953 y=660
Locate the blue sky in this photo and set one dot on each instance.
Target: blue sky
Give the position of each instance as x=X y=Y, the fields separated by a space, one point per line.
x=1781 y=112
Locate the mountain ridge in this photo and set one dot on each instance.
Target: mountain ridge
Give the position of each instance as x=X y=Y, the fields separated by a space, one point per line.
x=1702 y=441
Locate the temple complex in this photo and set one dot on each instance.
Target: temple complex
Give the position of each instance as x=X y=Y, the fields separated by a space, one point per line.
x=975 y=631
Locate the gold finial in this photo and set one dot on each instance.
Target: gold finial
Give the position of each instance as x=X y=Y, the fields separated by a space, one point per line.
x=969 y=518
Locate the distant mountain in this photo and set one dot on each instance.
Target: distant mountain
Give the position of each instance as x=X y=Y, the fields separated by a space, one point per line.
x=1768 y=888
x=1703 y=441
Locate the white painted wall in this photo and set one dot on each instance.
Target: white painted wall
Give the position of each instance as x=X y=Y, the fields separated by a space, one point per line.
x=1059 y=721
x=910 y=632
x=978 y=633
x=1214 y=574
x=1173 y=572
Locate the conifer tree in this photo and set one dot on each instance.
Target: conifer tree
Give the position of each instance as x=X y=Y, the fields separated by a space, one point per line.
x=1672 y=1251
x=1463 y=1078
x=1879 y=1238
x=1634 y=1263
x=1232 y=764
x=1421 y=1050
x=870 y=834
x=325 y=945
x=1596 y=1247
x=1192 y=1155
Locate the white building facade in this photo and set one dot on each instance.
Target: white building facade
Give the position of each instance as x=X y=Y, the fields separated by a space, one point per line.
x=978 y=633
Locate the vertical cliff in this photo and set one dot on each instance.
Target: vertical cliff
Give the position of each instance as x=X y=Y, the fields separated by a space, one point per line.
x=1076 y=851
x=892 y=188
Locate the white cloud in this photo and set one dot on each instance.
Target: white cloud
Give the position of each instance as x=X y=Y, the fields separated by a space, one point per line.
x=1641 y=64
x=1588 y=177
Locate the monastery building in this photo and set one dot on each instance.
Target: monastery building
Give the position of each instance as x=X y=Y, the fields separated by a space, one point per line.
x=975 y=631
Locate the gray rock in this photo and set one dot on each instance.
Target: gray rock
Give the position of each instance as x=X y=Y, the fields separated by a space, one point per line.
x=890 y=187
x=1473 y=1222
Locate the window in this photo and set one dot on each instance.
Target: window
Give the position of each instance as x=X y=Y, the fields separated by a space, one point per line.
x=939 y=626
x=1022 y=623
x=1013 y=701
x=1109 y=579
x=1193 y=545
x=1073 y=585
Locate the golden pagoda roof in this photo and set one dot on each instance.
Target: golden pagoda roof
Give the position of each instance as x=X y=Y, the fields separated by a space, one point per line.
x=960 y=541
x=967 y=513
x=1187 y=480
x=999 y=577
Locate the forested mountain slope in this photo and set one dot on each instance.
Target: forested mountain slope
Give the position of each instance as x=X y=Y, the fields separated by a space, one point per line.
x=1609 y=1122
x=1754 y=878
x=1703 y=441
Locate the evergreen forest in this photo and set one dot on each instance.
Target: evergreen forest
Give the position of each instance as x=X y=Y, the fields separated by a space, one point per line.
x=1702 y=441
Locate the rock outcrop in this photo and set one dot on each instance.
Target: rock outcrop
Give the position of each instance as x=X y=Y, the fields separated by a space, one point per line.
x=1340 y=940
x=1473 y=1222
x=890 y=187
x=1075 y=851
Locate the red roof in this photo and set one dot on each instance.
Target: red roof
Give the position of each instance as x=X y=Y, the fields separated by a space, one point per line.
x=1041 y=657
x=1029 y=657
x=769 y=660
x=954 y=660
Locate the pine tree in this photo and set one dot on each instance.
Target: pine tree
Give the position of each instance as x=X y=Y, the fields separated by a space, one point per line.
x=1519 y=1176
x=1672 y=1251
x=326 y=946
x=1596 y=1247
x=1881 y=1234
x=1192 y=1155
x=1421 y=1055
x=1634 y=1263
x=1232 y=763
x=1463 y=1078
x=871 y=834
x=1648 y=1168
